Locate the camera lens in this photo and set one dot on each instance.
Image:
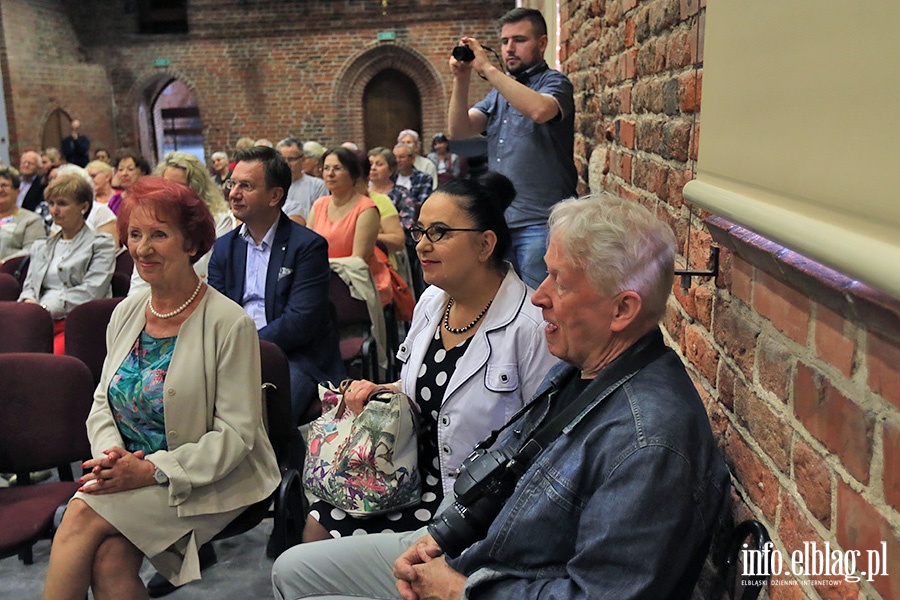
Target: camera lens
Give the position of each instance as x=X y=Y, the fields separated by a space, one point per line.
x=463 y=54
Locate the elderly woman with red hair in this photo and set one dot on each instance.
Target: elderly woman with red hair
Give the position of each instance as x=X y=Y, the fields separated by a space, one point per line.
x=179 y=446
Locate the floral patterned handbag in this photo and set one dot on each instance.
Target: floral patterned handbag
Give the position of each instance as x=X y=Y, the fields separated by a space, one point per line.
x=366 y=464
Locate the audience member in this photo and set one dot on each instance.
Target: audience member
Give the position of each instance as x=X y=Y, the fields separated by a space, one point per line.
x=390 y=233
x=636 y=437
x=264 y=142
x=384 y=166
x=305 y=189
x=220 y=170
x=101 y=174
x=101 y=219
x=31 y=186
x=19 y=227
x=76 y=147
x=131 y=166
x=348 y=219
x=418 y=183
x=75 y=264
x=474 y=352
x=102 y=154
x=278 y=271
x=177 y=435
x=410 y=137
x=449 y=165
x=50 y=159
x=312 y=158
x=529 y=118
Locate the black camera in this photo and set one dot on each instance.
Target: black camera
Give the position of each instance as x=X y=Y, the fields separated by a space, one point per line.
x=463 y=54
x=485 y=480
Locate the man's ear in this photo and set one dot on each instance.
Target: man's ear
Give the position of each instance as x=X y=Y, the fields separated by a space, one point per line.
x=277 y=194
x=542 y=44
x=626 y=309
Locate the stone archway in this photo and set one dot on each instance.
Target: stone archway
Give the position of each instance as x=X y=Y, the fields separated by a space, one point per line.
x=168 y=91
x=363 y=68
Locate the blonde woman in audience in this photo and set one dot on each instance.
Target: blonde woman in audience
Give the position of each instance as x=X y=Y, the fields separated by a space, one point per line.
x=187 y=170
x=101 y=174
x=75 y=264
x=19 y=228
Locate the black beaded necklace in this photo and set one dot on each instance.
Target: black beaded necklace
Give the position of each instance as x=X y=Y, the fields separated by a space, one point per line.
x=458 y=330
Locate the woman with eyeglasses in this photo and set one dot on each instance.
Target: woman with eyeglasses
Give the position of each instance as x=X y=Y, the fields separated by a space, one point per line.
x=347 y=219
x=474 y=354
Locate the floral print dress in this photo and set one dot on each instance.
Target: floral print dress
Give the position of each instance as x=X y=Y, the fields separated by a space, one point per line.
x=136 y=393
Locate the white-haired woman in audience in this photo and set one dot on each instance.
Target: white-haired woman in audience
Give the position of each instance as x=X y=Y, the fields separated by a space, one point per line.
x=220 y=170
x=75 y=264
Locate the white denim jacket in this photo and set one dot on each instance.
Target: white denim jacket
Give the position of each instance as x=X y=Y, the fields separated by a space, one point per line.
x=501 y=369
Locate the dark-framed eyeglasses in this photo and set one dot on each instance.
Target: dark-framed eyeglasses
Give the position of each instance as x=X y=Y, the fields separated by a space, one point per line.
x=435 y=233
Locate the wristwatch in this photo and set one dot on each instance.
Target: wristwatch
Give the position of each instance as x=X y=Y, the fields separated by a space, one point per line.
x=160 y=477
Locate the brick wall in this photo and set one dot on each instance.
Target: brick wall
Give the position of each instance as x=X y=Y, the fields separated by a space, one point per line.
x=272 y=69
x=800 y=374
x=46 y=69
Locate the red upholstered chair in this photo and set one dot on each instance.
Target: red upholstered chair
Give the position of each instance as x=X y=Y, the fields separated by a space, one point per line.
x=46 y=399
x=124 y=263
x=86 y=333
x=17 y=267
x=354 y=329
x=9 y=288
x=26 y=327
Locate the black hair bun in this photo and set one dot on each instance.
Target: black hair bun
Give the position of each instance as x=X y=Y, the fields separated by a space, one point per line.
x=499 y=187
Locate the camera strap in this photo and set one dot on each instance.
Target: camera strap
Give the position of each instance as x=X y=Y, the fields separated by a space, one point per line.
x=627 y=365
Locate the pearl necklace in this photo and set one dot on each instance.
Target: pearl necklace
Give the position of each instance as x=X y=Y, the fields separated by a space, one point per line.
x=181 y=308
x=459 y=330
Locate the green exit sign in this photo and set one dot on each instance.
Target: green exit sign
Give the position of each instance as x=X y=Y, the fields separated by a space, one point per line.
x=161 y=62
x=386 y=36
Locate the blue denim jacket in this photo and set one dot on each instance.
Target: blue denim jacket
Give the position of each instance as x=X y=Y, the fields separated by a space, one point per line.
x=622 y=505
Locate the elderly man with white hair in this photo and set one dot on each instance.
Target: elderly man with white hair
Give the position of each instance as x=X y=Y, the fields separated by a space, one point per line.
x=410 y=137
x=608 y=485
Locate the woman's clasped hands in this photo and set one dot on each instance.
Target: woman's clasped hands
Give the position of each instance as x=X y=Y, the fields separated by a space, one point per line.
x=117 y=470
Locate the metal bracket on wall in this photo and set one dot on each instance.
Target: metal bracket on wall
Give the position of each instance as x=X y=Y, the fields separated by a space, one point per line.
x=688 y=274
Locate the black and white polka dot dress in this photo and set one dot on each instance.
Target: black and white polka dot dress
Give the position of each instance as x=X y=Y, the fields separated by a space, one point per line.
x=436 y=370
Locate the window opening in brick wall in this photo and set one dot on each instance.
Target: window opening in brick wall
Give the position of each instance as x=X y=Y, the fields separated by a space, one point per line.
x=176 y=121
x=391 y=103
x=163 y=16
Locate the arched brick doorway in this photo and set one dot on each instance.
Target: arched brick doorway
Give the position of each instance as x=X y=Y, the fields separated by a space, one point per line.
x=56 y=127
x=391 y=103
x=388 y=65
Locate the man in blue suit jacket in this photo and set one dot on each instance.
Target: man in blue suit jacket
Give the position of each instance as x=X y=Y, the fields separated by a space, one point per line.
x=278 y=271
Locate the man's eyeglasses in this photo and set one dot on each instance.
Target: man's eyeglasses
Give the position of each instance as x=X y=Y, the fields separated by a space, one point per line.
x=435 y=233
x=244 y=186
x=292 y=159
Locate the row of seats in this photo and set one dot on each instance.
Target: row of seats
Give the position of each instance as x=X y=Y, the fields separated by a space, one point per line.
x=42 y=424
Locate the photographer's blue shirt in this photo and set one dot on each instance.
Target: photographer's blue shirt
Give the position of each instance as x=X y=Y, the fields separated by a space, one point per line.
x=536 y=157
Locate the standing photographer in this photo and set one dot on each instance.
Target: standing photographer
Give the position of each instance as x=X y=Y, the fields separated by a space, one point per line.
x=529 y=118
